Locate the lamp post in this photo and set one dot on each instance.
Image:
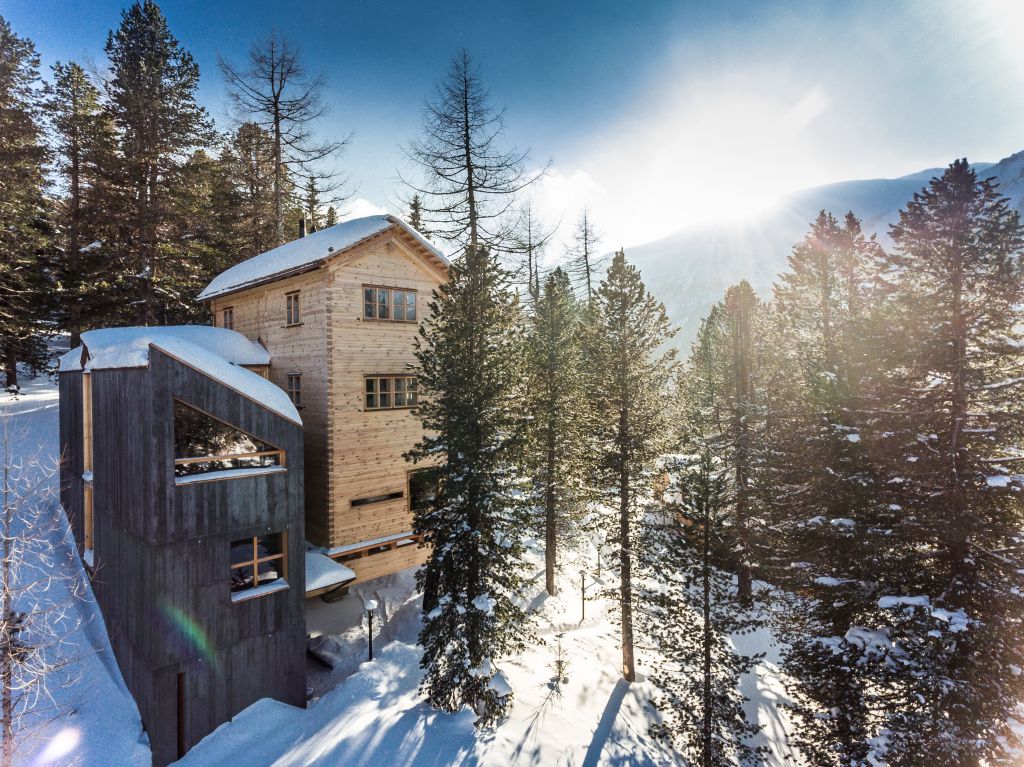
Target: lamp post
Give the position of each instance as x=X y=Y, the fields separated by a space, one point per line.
x=370 y=605
x=583 y=595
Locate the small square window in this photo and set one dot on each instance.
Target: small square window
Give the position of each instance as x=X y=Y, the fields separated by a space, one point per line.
x=257 y=561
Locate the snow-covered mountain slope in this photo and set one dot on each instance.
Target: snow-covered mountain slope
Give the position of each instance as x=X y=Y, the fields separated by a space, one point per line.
x=691 y=269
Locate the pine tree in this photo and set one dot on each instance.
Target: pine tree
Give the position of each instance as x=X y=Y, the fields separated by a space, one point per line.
x=470 y=376
x=557 y=404
x=23 y=227
x=415 y=217
x=84 y=143
x=250 y=154
x=741 y=319
x=694 y=610
x=151 y=97
x=828 y=515
x=469 y=182
x=332 y=216
x=526 y=247
x=629 y=328
x=949 y=448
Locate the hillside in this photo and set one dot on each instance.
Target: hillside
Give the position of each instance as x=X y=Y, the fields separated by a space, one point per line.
x=689 y=270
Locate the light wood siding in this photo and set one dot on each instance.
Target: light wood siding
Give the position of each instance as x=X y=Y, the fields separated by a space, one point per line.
x=260 y=315
x=350 y=453
x=366 y=447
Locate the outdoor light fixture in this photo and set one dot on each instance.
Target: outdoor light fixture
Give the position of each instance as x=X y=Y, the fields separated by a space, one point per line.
x=370 y=605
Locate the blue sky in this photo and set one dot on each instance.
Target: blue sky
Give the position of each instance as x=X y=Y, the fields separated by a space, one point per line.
x=655 y=114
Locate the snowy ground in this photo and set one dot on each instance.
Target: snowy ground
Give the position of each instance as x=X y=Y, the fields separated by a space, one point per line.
x=100 y=724
x=371 y=713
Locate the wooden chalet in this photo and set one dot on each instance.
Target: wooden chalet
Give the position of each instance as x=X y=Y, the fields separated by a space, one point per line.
x=339 y=311
x=182 y=479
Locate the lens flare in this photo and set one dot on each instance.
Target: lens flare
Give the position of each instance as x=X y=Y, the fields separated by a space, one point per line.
x=192 y=633
x=60 y=745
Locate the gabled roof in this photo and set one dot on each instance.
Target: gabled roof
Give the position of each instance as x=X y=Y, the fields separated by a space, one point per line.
x=217 y=353
x=307 y=253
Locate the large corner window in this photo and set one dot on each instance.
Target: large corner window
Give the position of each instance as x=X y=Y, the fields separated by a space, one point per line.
x=207 y=449
x=395 y=304
x=423 y=489
x=390 y=392
x=259 y=565
x=292 y=316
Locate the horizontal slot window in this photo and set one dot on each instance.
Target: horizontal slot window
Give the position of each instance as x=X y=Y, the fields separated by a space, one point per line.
x=378 y=498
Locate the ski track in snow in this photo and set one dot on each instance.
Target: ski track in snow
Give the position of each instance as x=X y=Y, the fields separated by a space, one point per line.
x=372 y=713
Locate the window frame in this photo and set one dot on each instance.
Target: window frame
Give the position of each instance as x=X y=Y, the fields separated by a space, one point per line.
x=389 y=303
x=409 y=393
x=227 y=317
x=294 y=393
x=276 y=454
x=246 y=593
x=292 y=309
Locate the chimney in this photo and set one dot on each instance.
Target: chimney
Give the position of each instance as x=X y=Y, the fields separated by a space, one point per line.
x=302 y=227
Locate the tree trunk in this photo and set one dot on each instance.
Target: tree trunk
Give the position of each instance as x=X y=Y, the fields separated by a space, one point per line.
x=11 y=365
x=550 y=538
x=625 y=555
x=706 y=583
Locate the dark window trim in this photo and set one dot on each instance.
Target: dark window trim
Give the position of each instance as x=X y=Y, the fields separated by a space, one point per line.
x=370 y=499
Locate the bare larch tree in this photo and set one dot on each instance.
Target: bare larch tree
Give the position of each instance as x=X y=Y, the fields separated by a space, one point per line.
x=469 y=183
x=275 y=91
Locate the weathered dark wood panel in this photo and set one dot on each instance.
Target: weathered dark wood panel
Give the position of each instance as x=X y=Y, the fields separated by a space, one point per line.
x=162 y=551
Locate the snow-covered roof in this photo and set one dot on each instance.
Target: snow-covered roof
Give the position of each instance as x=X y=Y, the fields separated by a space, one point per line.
x=215 y=352
x=322 y=572
x=308 y=251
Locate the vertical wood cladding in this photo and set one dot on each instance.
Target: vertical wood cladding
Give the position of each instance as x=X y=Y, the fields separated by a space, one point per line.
x=162 y=551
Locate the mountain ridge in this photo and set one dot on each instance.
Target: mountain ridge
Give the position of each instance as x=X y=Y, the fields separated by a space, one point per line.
x=690 y=269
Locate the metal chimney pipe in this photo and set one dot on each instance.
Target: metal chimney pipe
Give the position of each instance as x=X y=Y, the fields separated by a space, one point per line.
x=302 y=227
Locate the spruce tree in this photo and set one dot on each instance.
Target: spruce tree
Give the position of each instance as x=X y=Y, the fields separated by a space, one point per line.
x=24 y=231
x=949 y=447
x=151 y=97
x=631 y=370
x=827 y=515
x=693 y=608
x=741 y=417
x=470 y=373
x=557 y=405
x=84 y=146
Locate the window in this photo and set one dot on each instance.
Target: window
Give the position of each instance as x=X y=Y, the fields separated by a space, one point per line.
x=258 y=565
x=377 y=498
x=389 y=304
x=227 y=318
x=295 y=388
x=390 y=392
x=204 y=445
x=292 y=308
x=422 y=489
